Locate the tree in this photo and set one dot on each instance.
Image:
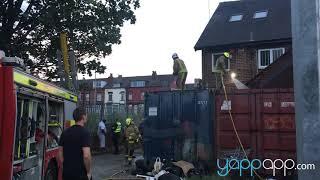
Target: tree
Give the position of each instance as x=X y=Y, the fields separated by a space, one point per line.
x=30 y=29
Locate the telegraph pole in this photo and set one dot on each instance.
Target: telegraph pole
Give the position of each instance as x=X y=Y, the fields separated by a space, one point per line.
x=306 y=62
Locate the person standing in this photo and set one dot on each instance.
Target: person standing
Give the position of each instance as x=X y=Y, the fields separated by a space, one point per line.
x=74 y=149
x=220 y=67
x=132 y=137
x=116 y=128
x=180 y=70
x=102 y=132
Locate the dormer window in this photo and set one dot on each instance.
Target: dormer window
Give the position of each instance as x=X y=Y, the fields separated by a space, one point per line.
x=260 y=14
x=237 y=17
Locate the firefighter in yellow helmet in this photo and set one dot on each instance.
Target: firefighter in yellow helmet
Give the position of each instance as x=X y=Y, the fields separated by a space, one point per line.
x=221 y=68
x=132 y=137
x=180 y=70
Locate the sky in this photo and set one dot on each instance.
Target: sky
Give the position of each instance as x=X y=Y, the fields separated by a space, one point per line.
x=162 y=28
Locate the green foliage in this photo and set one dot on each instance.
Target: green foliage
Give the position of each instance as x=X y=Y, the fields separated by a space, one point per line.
x=93 y=26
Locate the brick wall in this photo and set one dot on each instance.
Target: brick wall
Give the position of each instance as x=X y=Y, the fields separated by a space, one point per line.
x=92 y=97
x=243 y=63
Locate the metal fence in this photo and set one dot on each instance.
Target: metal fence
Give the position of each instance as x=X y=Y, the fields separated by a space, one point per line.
x=112 y=112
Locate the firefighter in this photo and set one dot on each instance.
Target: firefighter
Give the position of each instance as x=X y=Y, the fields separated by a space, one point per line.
x=180 y=70
x=116 y=128
x=221 y=68
x=132 y=138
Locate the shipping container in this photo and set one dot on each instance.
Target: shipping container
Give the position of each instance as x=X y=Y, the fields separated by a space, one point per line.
x=265 y=122
x=178 y=125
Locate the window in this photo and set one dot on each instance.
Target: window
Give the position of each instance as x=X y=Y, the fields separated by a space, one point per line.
x=99 y=97
x=260 y=14
x=97 y=84
x=122 y=95
x=117 y=85
x=110 y=96
x=237 y=17
x=268 y=56
x=135 y=109
x=87 y=97
x=215 y=57
x=142 y=96
x=130 y=96
x=137 y=84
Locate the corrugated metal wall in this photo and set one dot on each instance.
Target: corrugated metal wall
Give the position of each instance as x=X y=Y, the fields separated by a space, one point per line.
x=178 y=125
x=265 y=121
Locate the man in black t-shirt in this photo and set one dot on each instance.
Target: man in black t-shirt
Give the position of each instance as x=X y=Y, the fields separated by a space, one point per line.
x=75 y=149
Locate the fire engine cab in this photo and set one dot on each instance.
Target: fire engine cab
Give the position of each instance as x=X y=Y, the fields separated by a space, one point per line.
x=33 y=114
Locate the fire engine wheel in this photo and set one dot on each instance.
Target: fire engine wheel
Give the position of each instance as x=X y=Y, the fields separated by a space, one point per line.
x=52 y=172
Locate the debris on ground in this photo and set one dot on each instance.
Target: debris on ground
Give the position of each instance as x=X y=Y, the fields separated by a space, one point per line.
x=185 y=166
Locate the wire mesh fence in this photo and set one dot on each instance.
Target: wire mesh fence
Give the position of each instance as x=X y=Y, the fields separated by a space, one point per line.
x=111 y=113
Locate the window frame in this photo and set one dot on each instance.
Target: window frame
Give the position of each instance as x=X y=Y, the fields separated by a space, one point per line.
x=235 y=16
x=110 y=99
x=87 y=96
x=261 y=11
x=122 y=96
x=137 y=83
x=100 y=97
x=130 y=96
x=142 y=95
x=214 y=64
x=271 y=55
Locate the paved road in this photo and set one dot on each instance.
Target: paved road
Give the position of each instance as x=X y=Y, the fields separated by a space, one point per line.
x=105 y=165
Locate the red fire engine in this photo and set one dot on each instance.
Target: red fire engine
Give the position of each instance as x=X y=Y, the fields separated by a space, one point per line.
x=32 y=116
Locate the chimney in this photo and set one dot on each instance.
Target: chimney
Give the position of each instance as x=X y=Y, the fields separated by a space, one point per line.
x=119 y=76
x=110 y=78
x=154 y=74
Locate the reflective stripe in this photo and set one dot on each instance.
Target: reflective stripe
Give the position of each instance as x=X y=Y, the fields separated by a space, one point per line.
x=182 y=66
x=118 y=129
x=25 y=79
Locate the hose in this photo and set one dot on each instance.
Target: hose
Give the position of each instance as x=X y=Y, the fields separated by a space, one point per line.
x=234 y=126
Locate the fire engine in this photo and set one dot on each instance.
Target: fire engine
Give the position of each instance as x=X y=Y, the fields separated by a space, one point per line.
x=33 y=114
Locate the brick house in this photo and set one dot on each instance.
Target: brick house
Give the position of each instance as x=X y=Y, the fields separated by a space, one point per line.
x=92 y=91
x=119 y=94
x=256 y=32
x=279 y=74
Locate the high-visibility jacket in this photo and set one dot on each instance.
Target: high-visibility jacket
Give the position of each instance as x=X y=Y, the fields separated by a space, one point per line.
x=118 y=127
x=179 y=67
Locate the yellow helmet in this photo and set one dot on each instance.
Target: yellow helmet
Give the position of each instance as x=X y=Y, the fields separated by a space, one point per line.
x=226 y=54
x=128 y=121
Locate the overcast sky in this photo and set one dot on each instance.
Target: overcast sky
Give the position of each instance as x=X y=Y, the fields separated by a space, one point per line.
x=162 y=28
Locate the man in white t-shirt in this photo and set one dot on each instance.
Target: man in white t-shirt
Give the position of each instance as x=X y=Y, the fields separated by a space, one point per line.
x=102 y=132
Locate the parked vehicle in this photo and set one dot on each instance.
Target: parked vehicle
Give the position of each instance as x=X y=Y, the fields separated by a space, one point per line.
x=32 y=117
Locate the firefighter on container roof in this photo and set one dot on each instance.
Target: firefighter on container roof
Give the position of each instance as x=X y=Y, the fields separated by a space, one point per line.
x=132 y=137
x=180 y=70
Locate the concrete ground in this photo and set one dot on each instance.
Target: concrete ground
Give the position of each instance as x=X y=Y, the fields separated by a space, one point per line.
x=106 y=165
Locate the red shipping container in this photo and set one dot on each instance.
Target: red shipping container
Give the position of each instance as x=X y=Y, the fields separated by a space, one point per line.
x=265 y=122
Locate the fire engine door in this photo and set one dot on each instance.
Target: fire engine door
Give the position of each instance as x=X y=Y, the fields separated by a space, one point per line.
x=29 y=144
